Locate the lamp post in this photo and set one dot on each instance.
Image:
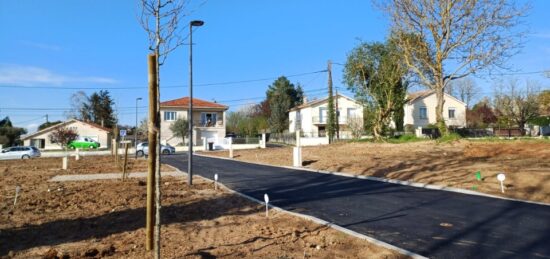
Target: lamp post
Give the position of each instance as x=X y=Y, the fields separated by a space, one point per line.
x=196 y=23
x=136 y=130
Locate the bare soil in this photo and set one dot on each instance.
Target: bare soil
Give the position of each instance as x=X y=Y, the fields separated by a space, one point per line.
x=526 y=164
x=106 y=218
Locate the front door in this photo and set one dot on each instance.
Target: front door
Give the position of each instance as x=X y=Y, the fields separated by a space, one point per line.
x=322 y=131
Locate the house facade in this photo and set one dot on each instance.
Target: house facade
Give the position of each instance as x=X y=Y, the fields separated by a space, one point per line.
x=420 y=110
x=311 y=117
x=208 y=121
x=41 y=138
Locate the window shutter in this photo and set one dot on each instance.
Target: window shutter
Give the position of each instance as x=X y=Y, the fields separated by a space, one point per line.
x=203 y=118
x=214 y=116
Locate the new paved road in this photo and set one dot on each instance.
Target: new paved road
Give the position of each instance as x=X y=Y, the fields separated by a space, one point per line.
x=436 y=224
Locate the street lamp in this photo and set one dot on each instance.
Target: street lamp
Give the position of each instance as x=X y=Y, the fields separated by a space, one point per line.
x=136 y=129
x=196 y=23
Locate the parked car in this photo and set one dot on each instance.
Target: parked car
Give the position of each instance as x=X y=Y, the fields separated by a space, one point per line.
x=83 y=143
x=142 y=149
x=23 y=152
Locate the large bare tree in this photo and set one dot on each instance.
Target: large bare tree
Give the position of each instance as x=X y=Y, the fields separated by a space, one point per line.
x=443 y=40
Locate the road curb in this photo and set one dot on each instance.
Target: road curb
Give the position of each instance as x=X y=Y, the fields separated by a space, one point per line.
x=314 y=219
x=378 y=179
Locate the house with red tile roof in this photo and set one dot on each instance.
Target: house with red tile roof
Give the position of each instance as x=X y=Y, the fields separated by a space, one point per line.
x=208 y=120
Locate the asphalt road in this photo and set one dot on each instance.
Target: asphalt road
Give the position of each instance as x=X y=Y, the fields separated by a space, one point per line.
x=432 y=223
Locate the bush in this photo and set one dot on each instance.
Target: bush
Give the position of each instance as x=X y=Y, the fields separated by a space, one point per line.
x=405 y=138
x=409 y=128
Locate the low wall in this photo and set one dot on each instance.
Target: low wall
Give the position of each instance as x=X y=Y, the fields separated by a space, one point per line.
x=313 y=141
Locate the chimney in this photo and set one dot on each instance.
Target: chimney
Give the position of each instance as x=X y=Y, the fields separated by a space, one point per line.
x=305 y=99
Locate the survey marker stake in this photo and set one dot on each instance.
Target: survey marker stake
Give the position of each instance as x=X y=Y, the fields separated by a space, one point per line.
x=501 y=177
x=216 y=181
x=266 y=199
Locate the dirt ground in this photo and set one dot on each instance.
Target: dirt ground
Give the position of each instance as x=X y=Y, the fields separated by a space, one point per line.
x=526 y=164
x=106 y=218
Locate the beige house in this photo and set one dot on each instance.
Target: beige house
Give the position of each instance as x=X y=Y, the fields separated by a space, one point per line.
x=420 y=110
x=208 y=120
x=41 y=139
x=311 y=117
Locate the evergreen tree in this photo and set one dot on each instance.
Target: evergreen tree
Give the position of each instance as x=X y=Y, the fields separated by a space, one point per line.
x=282 y=95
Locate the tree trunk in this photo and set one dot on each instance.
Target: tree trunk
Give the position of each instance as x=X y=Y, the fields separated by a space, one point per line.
x=440 y=120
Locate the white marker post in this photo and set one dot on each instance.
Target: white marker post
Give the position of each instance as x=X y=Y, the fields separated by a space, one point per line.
x=216 y=181
x=266 y=199
x=230 y=147
x=65 y=163
x=501 y=177
x=77 y=156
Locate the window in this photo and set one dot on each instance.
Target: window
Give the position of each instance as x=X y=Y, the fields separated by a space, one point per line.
x=208 y=119
x=451 y=113
x=169 y=116
x=423 y=113
x=322 y=114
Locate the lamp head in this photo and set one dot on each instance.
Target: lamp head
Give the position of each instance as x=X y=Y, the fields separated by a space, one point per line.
x=196 y=23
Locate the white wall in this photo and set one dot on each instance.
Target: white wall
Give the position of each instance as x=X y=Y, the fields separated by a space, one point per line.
x=412 y=111
x=308 y=113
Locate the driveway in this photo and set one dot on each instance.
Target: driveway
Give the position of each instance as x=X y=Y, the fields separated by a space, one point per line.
x=432 y=223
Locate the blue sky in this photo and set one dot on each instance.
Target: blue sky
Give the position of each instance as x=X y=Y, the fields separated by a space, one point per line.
x=51 y=49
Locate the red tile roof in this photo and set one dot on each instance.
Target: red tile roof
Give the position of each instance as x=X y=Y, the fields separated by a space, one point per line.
x=197 y=103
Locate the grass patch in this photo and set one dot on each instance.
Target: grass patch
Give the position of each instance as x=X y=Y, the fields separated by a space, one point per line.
x=406 y=139
x=449 y=138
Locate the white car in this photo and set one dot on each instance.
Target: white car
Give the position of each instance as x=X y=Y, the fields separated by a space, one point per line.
x=143 y=149
x=19 y=153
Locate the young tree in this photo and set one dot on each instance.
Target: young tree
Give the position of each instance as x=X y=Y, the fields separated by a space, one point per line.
x=62 y=136
x=449 y=39
x=282 y=96
x=180 y=128
x=516 y=104
x=331 y=112
x=375 y=73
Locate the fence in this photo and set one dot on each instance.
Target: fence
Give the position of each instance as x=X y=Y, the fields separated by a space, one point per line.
x=288 y=138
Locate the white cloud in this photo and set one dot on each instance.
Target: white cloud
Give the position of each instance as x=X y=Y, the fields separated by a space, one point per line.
x=39 y=45
x=32 y=76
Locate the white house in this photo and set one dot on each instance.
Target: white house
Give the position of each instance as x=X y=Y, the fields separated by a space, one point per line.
x=420 y=110
x=311 y=117
x=208 y=120
x=41 y=138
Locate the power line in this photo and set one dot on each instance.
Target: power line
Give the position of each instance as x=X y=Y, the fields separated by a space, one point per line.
x=162 y=87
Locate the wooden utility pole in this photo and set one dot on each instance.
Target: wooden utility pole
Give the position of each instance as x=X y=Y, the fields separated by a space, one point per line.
x=330 y=128
x=152 y=158
x=337 y=115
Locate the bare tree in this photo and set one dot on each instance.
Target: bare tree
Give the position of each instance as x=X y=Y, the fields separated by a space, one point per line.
x=516 y=104
x=449 y=39
x=161 y=19
x=79 y=108
x=464 y=88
